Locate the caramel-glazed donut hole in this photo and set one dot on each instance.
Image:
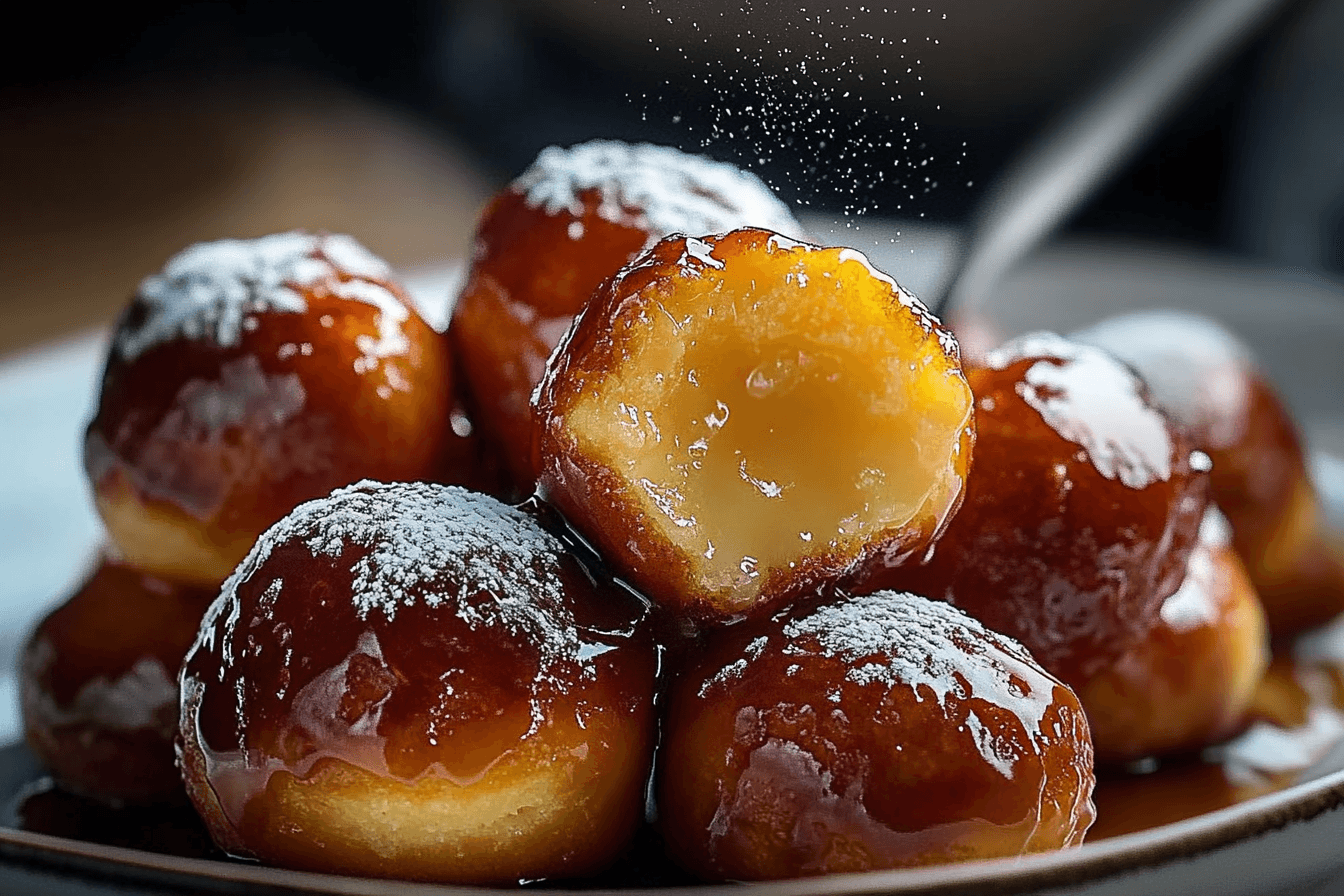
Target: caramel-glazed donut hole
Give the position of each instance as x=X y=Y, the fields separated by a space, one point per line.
x=1207 y=379
x=250 y=376
x=738 y=420
x=1081 y=510
x=549 y=239
x=883 y=731
x=98 y=684
x=417 y=681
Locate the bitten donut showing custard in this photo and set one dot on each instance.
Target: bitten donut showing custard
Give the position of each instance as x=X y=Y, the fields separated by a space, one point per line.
x=740 y=419
x=98 y=684
x=250 y=376
x=546 y=242
x=883 y=731
x=1081 y=511
x=417 y=681
x=1207 y=379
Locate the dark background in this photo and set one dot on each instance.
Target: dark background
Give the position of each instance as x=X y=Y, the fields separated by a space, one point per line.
x=505 y=81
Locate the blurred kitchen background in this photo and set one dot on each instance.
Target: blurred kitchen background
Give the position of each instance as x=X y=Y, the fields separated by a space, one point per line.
x=133 y=129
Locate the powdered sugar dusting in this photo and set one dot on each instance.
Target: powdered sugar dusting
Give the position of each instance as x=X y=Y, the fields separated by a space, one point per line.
x=209 y=290
x=392 y=313
x=892 y=639
x=348 y=254
x=444 y=546
x=243 y=391
x=929 y=646
x=664 y=190
x=1094 y=401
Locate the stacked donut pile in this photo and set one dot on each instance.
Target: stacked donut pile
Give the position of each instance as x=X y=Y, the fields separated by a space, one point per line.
x=678 y=498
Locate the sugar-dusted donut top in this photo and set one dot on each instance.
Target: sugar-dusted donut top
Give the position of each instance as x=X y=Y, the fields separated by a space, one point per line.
x=208 y=290
x=663 y=189
x=893 y=639
x=441 y=546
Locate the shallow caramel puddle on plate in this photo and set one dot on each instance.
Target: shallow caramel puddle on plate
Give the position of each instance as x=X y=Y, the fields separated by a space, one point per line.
x=1295 y=733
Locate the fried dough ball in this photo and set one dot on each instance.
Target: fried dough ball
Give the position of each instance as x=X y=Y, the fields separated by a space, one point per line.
x=547 y=241
x=417 y=681
x=1207 y=379
x=741 y=419
x=98 y=684
x=883 y=731
x=250 y=376
x=1081 y=510
x=1189 y=683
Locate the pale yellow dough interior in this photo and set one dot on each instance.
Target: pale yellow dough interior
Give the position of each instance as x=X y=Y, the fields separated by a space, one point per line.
x=771 y=426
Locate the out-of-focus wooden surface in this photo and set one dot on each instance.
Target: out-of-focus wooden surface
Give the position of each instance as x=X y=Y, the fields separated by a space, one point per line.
x=100 y=185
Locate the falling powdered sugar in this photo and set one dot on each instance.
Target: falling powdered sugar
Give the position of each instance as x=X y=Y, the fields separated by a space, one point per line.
x=208 y=290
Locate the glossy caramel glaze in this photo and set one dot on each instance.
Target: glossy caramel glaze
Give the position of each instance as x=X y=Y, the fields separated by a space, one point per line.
x=1191 y=680
x=1208 y=380
x=741 y=419
x=1081 y=510
x=545 y=243
x=417 y=681
x=876 y=732
x=230 y=396
x=98 y=684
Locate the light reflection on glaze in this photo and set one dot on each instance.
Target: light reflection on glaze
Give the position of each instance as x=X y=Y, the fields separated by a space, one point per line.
x=1093 y=401
x=1195 y=368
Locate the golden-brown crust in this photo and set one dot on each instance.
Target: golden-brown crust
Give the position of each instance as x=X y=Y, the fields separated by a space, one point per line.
x=417 y=681
x=545 y=244
x=1209 y=381
x=1190 y=681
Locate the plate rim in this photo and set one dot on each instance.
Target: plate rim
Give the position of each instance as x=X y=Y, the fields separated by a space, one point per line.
x=1203 y=834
